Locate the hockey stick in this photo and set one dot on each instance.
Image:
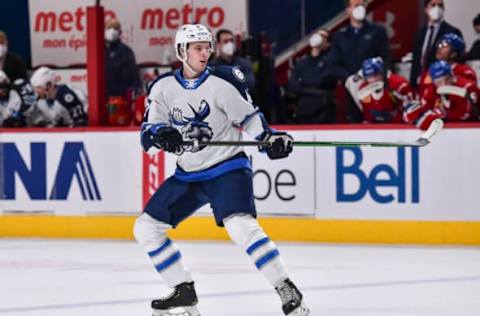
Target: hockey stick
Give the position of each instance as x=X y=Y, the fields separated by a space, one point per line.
x=435 y=127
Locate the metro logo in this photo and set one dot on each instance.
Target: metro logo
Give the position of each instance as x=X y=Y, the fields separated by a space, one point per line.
x=65 y=21
x=156 y=18
x=74 y=164
x=381 y=176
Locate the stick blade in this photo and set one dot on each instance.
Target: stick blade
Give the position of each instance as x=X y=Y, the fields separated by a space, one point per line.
x=435 y=127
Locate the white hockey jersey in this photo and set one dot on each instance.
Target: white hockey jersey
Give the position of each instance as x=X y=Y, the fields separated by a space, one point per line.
x=218 y=99
x=9 y=106
x=67 y=109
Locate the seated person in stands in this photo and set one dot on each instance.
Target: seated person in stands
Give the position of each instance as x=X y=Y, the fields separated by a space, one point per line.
x=450 y=48
x=450 y=97
x=380 y=94
x=312 y=82
x=10 y=103
x=61 y=105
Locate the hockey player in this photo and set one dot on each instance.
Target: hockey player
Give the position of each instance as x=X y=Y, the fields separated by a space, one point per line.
x=451 y=49
x=60 y=104
x=450 y=98
x=197 y=103
x=380 y=94
x=10 y=103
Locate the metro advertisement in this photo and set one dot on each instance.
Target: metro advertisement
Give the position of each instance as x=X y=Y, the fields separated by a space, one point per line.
x=58 y=28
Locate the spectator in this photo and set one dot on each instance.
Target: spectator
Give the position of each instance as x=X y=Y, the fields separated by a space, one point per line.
x=450 y=98
x=427 y=36
x=10 y=103
x=475 y=50
x=310 y=81
x=450 y=48
x=13 y=66
x=226 y=56
x=60 y=105
x=379 y=93
x=121 y=72
x=355 y=43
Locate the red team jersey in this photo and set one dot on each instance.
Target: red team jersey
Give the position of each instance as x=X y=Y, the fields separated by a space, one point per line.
x=387 y=106
x=452 y=103
x=459 y=70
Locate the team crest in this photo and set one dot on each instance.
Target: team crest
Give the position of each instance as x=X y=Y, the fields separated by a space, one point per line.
x=193 y=127
x=237 y=73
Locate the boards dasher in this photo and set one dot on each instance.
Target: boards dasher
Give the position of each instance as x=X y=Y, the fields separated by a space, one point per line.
x=187 y=107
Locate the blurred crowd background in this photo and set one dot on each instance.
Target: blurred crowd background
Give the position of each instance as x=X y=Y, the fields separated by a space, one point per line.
x=306 y=62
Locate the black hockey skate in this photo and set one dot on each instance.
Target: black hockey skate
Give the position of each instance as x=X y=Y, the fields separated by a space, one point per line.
x=292 y=299
x=181 y=302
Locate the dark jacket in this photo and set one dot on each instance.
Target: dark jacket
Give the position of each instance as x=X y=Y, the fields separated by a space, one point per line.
x=350 y=47
x=244 y=64
x=121 y=71
x=312 y=82
x=474 y=53
x=14 y=67
x=418 y=46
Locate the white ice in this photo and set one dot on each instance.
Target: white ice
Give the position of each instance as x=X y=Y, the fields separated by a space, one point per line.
x=105 y=278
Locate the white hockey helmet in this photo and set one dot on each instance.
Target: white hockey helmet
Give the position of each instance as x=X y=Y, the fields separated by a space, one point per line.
x=191 y=33
x=42 y=76
x=4 y=77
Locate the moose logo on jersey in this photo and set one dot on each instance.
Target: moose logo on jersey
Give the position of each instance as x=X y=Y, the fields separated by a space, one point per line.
x=194 y=127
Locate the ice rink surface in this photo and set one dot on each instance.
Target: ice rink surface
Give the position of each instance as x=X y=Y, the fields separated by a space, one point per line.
x=73 y=278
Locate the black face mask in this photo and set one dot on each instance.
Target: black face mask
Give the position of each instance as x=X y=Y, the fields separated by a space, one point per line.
x=4 y=91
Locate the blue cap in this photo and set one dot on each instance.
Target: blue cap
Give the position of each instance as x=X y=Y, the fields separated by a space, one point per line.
x=455 y=41
x=440 y=69
x=373 y=66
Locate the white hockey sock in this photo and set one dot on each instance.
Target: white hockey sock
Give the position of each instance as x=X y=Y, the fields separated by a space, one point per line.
x=166 y=257
x=245 y=232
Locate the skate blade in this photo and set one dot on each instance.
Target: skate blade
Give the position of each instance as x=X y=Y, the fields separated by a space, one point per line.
x=178 y=311
x=302 y=310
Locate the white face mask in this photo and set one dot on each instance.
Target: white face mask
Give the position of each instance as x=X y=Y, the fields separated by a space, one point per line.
x=228 y=49
x=3 y=50
x=112 y=34
x=435 y=13
x=359 y=13
x=315 y=40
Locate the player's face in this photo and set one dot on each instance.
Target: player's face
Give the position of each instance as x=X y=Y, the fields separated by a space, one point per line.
x=443 y=52
x=4 y=90
x=198 y=54
x=375 y=78
x=443 y=81
x=47 y=92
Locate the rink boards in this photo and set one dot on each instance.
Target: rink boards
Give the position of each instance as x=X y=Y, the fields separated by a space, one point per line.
x=92 y=183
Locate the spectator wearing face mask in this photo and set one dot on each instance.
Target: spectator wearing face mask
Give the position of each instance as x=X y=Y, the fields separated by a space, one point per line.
x=353 y=44
x=13 y=66
x=474 y=53
x=121 y=72
x=312 y=82
x=424 y=46
x=226 y=55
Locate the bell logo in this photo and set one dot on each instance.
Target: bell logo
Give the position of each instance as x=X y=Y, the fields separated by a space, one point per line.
x=74 y=164
x=383 y=176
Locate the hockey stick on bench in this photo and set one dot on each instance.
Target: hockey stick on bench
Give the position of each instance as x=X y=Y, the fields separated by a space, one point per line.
x=435 y=127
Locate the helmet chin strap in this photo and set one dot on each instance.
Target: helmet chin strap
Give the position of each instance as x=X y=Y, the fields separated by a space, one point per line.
x=184 y=61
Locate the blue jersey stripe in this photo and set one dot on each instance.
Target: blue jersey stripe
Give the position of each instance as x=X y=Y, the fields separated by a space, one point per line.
x=154 y=253
x=257 y=244
x=167 y=263
x=267 y=258
x=227 y=166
